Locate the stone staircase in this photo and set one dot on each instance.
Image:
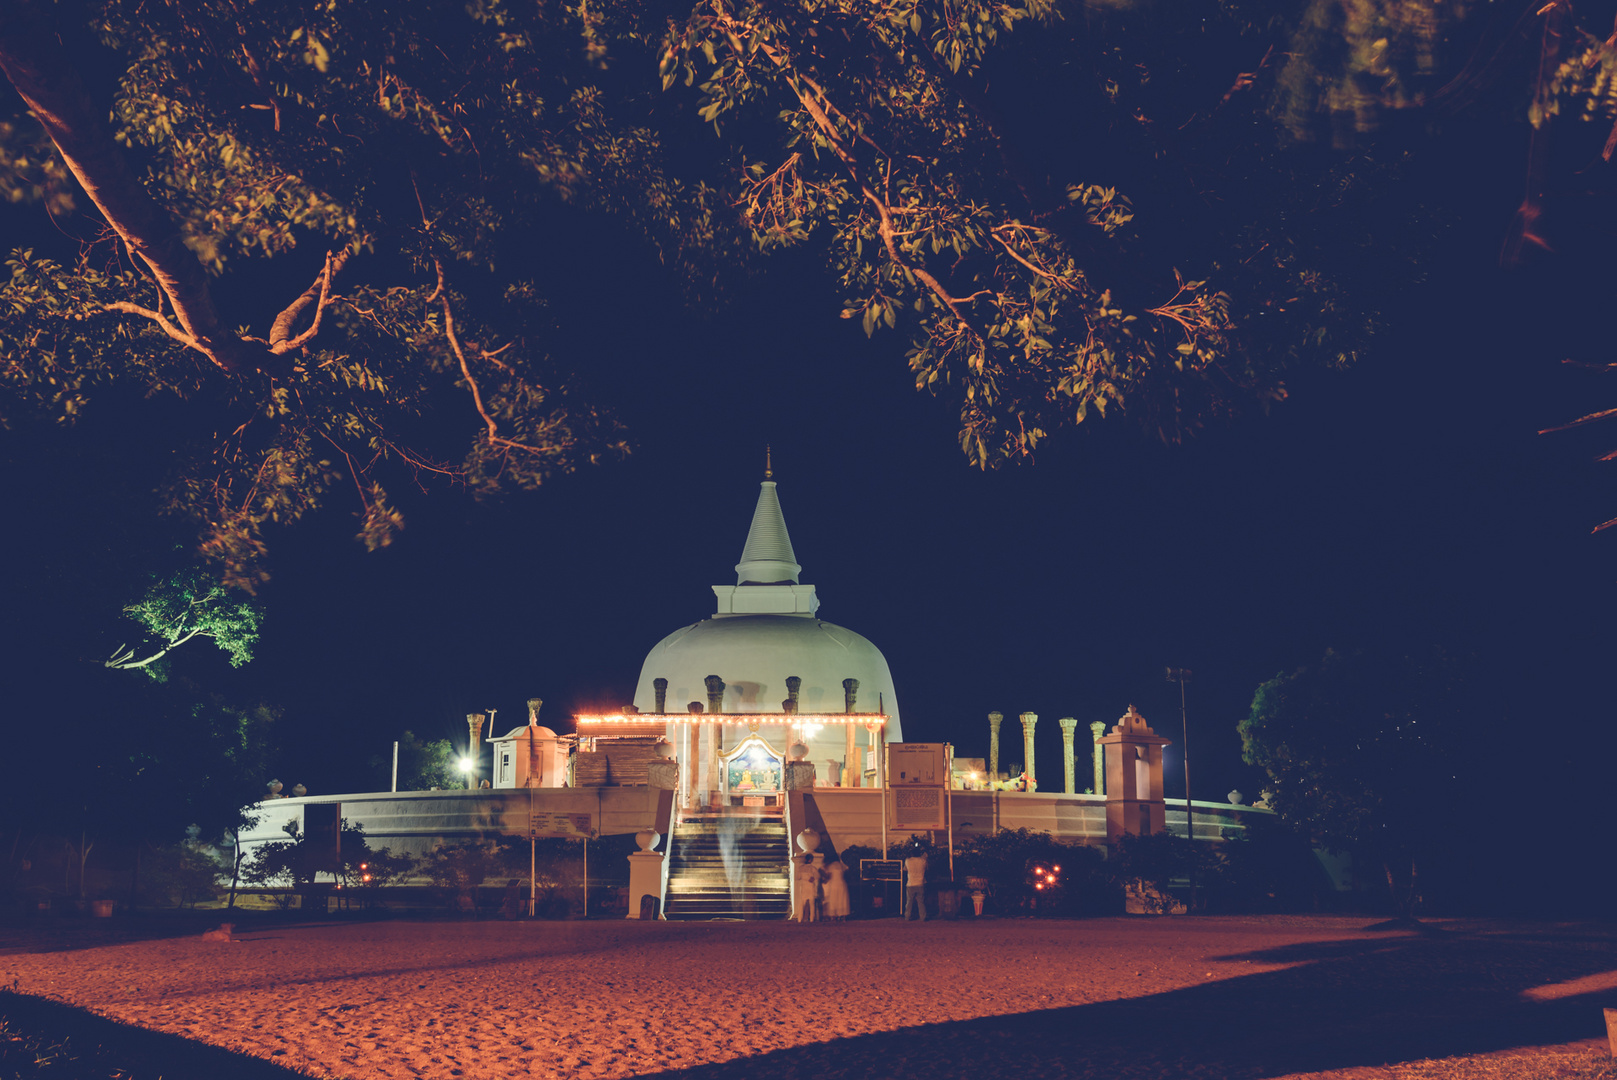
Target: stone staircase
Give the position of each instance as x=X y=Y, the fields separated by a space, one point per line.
x=756 y=886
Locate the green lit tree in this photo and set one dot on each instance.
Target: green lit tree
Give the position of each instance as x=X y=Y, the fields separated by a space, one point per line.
x=424 y=764
x=189 y=605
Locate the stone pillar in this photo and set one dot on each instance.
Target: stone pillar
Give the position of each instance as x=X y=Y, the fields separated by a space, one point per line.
x=1068 y=726
x=1096 y=730
x=850 y=774
x=1134 y=802
x=474 y=727
x=793 y=685
x=660 y=687
x=536 y=769
x=1028 y=720
x=645 y=872
x=873 y=744
x=715 y=708
x=994 y=720
x=693 y=771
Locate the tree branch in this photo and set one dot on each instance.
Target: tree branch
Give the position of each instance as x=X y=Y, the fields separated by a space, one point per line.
x=120 y=659
x=32 y=57
x=801 y=85
x=494 y=436
x=157 y=317
x=37 y=65
x=281 y=340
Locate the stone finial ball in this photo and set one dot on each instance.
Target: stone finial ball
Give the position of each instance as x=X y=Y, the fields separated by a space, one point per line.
x=808 y=840
x=663 y=749
x=799 y=751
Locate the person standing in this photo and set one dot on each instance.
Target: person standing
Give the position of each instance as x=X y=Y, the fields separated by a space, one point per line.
x=809 y=877
x=837 y=903
x=915 y=885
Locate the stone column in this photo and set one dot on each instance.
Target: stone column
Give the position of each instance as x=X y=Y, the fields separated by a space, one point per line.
x=715 y=708
x=850 y=694
x=1097 y=729
x=1028 y=720
x=660 y=687
x=1068 y=726
x=994 y=720
x=474 y=726
x=873 y=744
x=695 y=773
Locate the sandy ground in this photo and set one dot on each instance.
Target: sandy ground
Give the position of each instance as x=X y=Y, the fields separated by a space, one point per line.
x=1014 y=999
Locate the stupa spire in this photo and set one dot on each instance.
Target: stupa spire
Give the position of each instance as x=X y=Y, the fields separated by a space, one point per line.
x=767 y=557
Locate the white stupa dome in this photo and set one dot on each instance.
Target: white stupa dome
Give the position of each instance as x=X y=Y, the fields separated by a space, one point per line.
x=767 y=629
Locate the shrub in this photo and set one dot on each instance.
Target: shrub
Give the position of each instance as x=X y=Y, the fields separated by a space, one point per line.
x=1008 y=861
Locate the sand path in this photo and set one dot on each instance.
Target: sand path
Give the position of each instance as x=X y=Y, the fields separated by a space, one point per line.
x=1206 y=997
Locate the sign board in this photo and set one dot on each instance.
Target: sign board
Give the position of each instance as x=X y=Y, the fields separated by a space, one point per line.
x=921 y=806
x=551 y=823
x=880 y=869
x=918 y=763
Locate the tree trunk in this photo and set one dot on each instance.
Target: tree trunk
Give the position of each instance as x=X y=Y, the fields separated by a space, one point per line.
x=235 y=870
x=84 y=857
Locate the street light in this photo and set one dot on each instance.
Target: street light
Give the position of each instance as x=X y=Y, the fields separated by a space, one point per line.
x=1181 y=676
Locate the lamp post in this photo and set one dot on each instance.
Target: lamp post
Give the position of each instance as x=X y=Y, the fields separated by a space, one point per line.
x=1181 y=676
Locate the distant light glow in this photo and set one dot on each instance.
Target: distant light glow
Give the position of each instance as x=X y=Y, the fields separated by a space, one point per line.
x=465 y=764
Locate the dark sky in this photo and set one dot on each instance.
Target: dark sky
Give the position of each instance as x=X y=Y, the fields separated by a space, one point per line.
x=1405 y=500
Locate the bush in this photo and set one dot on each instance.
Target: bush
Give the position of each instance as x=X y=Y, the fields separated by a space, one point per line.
x=1009 y=861
x=291 y=866
x=181 y=875
x=459 y=870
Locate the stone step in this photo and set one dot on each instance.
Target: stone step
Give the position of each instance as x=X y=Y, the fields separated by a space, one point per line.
x=749 y=913
x=686 y=887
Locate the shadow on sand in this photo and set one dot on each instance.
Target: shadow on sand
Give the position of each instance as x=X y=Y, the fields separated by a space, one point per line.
x=22 y=936
x=98 y=1047
x=1346 y=1004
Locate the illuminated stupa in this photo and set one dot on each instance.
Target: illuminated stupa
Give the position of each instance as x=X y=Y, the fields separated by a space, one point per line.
x=765 y=672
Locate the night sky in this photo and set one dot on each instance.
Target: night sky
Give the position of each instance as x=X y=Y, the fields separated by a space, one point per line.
x=1406 y=500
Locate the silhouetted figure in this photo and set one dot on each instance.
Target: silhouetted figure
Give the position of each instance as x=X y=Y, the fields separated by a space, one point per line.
x=915 y=885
